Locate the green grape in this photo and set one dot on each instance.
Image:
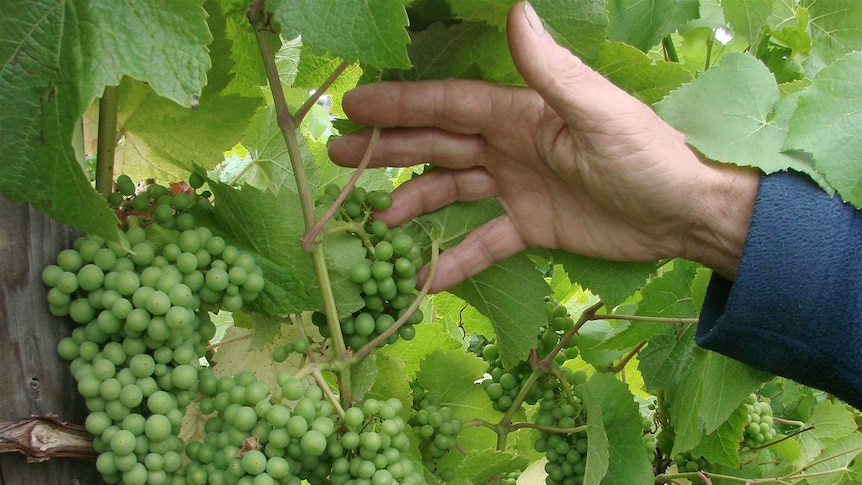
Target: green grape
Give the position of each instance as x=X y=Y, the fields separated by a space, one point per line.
x=125 y=185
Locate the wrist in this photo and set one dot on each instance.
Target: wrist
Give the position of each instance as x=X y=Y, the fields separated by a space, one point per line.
x=717 y=235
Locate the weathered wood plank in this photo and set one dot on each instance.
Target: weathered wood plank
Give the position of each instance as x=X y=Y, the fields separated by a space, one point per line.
x=33 y=379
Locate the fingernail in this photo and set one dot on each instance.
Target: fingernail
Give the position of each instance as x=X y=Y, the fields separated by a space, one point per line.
x=533 y=19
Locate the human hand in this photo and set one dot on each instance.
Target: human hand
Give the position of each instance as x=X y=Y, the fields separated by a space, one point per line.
x=577 y=163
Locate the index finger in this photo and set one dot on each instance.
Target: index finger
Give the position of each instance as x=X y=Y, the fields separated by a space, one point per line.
x=459 y=106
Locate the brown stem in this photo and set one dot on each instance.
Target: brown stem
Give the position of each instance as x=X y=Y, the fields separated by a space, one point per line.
x=306 y=106
x=624 y=361
x=42 y=438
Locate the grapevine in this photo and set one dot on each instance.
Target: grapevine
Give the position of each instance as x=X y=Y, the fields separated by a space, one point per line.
x=364 y=380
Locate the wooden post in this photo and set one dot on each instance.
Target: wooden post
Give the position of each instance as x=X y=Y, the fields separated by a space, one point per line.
x=33 y=379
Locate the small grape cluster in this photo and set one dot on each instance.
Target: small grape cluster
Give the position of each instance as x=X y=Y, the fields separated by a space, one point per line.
x=510 y=478
x=437 y=427
x=143 y=328
x=565 y=451
x=387 y=277
x=374 y=447
x=686 y=462
x=292 y=433
x=759 y=423
x=504 y=385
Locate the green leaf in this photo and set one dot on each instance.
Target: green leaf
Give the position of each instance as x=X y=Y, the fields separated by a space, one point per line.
x=644 y=23
x=451 y=376
x=835 y=28
x=590 y=338
x=636 y=73
x=668 y=295
x=837 y=456
x=747 y=17
x=511 y=294
x=828 y=124
x=578 y=25
x=611 y=281
x=163 y=45
x=492 y=12
x=370 y=31
x=721 y=447
x=471 y=51
x=665 y=362
x=480 y=465
x=831 y=421
x=272 y=225
x=40 y=79
x=314 y=69
x=741 y=96
x=617 y=428
x=430 y=336
x=713 y=389
x=249 y=73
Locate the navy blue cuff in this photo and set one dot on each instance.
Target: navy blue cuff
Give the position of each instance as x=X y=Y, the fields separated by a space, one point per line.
x=795 y=307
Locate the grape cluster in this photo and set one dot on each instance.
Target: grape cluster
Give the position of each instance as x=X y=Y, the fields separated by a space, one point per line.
x=290 y=434
x=510 y=478
x=565 y=451
x=759 y=423
x=504 y=385
x=143 y=328
x=437 y=427
x=387 y=277
x=686 y=462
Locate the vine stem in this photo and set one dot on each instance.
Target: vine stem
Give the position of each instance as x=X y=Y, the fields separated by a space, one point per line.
x=306 y=106
x=639 y=318
x=311 y=235
x=288 y=125
x=107 y=140
x=587 y=315
x=229 y=341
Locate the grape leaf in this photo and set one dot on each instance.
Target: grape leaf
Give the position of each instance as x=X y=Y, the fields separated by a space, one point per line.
x=271 y=225
x=714 y=387
x=644 y=23
x=162 y=45
x=249 y=73
x=636 y=73
x=314 y=69
x=828 y=124
x=40 y=76
x=471 y=51
x=370 y=31
x=665 y=361
x=430 y=336
x=511 y=294
x=614 y=432
x=492 y=12
x=835 y=28
x=578 y=25
x=611 y=281
x=451 y=376
x=667 y=295
x=480 y=465
x=721 y=447
x=831 y=422
x=747 y=17
x=162 y=139
x=741 y=96
x=835 y=457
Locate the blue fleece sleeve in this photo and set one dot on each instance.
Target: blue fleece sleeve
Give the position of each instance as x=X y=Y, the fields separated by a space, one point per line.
x=795 y=307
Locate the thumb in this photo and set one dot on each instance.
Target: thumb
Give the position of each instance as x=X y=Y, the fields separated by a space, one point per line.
x=574 y=90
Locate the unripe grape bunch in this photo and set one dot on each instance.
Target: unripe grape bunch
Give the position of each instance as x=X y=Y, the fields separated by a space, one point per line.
x=142 y=308
x=386 y=277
